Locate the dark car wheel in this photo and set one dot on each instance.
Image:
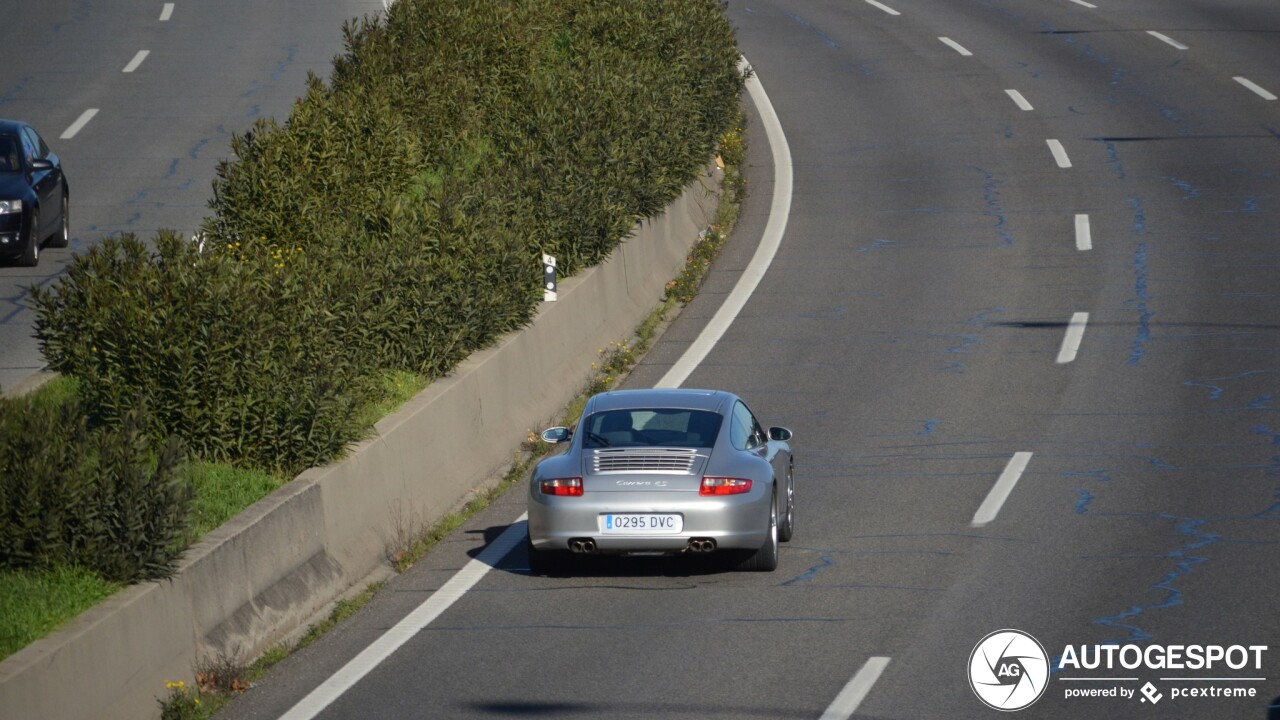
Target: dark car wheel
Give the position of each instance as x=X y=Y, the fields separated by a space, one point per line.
x=546 y=562
x=31 y=254
x=61 y=238
x=766 y=558
x=787 y=526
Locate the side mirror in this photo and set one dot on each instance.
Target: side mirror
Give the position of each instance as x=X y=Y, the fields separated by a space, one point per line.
x=556 y=435
x=780 y=434
x=41 y=164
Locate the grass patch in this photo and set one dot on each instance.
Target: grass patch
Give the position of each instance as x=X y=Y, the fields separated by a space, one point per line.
x=221 y=491
x=34 y=603
x=396 y=387
x=57 y=392
x=220 y=679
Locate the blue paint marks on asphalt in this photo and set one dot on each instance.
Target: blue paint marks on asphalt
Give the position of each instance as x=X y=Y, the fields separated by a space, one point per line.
x=1184 y=557
x=1027 y=67
x=1185 y=187
x=1086 y=498
x=173 y=170
x=1265 y=431
x=991 y=196
x=253 y=88
x=254 y=110
x=954 y=368
x=824 y=562
x=809 y=26
x=1095 y=473
x=195 y=151
x=876 y=244
x=1215 y=391
x=930 y=426
x=1175 y=63
x=1072 y=109
x=1114 y=158
x=868 y=68
x=1143 y=334
x=1139 y=216
x=290 y=56
x=1159 y=464
x=186 y=184
x=1251 y=204
x=1008 y=132
x=8 y=95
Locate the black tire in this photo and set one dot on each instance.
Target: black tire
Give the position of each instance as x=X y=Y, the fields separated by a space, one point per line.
x=62 y=238
x=787 y=526
x=31 y=254
x=766 y=558
x=546 y=562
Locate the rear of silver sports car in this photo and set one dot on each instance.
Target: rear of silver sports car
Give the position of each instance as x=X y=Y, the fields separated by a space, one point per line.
x=645 y=500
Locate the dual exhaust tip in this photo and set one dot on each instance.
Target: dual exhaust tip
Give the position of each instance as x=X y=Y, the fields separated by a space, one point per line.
x=702 y=545
x=586 y=546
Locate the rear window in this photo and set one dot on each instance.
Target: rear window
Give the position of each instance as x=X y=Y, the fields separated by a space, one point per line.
x=652 y=428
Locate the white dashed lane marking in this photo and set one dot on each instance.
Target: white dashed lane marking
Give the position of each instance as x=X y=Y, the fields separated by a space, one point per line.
x=1166 y=39
x=79 y=124
x=1018 y=100
x=136 y=61
x=955 y=46
x=1262 y=92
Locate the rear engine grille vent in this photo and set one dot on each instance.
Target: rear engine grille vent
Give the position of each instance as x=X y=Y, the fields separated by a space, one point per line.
x=673 y=460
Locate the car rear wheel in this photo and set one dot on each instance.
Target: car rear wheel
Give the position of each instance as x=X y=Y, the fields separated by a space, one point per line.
x=31 y=254
x=787 y=527
x=546 y=562
x=61 y=238
x=766 y=558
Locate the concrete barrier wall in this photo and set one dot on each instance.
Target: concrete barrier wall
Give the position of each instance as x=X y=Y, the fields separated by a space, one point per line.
x=267 y=572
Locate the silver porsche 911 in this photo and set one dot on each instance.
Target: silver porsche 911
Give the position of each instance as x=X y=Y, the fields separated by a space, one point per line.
x=663 y=471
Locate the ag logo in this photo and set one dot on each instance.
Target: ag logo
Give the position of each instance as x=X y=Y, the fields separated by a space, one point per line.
x=1008 y=670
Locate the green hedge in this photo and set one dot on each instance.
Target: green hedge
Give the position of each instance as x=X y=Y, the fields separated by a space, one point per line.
x=396 y=220
x=99 y=499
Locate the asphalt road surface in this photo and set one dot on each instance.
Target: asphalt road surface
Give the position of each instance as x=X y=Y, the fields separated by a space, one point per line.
x=1029 y=343
x=157 y=123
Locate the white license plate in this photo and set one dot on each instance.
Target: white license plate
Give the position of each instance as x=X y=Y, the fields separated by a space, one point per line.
x=641 y=523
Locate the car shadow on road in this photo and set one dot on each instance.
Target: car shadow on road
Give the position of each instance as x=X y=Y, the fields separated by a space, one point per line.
x=603 y=566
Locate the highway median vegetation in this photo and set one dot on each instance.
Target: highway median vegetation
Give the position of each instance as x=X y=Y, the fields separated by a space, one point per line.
x=393 y=225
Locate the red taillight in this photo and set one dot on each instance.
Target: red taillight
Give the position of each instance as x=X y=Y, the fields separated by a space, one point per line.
x=563 y=486
x=724 y=486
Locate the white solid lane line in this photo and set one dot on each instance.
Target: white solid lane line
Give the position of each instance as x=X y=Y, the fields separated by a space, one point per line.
x=855 y=691
x=1000 y=491
x=403 y=631
x=1059 y=153
x=1084 y=237
x=1165 y=38
x=955 y=46
x=1071 y=340
x=1091 y=6
x=883 y=7
x=79 y=124
x=779 y=211
x=466 y=578
x=136 y=61
x=1018 y=100
x=166 y=12
x=1262 y=92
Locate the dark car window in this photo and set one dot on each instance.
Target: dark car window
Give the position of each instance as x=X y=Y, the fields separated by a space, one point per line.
x=745 y=432
x=28 y=147
x=37 y=143
x=9 y=161
x=652 y=428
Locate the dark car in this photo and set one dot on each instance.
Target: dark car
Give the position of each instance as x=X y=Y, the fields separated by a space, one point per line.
x=33 y=195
